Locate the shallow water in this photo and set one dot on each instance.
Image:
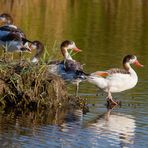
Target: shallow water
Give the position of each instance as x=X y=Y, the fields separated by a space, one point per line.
x=105 y=31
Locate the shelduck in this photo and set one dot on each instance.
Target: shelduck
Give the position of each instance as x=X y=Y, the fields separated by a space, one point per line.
x=8 y=26
x=69 y=69
x=39 y=47
x=116 y=80
x=12 y=38
x=12 y=42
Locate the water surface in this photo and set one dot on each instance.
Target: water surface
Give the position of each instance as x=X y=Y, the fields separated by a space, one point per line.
x=106 y=30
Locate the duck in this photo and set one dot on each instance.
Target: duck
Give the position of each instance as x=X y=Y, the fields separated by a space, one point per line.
x=68 y=69
x=12 y=38
x=6 y=19
x=116 y=80
x=8 y=26
x=39 y=47
x=12 y=42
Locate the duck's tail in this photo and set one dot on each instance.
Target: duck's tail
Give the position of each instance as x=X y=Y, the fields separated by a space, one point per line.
x=81 y=74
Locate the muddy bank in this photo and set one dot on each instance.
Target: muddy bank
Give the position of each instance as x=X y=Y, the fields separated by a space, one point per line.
x=31 y=86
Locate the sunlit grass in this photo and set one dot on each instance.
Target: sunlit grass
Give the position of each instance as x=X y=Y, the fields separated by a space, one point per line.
x=23 y=83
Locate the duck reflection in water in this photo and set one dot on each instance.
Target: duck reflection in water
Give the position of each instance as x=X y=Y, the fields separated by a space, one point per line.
x=112 y=127
x=73 y=128
x=117 y=127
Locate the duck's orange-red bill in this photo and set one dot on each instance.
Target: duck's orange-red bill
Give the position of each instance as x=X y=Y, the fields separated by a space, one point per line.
x=77 y=49
x=138 y=64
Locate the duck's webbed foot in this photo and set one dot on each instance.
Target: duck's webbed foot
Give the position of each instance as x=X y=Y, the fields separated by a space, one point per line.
x=110 y=99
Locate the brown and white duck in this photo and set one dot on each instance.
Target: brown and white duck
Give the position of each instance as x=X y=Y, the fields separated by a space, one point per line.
x=12 y=42
x=6 y=19
x=8 y=26
x=12 y=39
x=116 y=80
x=69 y=69
x=39 y=47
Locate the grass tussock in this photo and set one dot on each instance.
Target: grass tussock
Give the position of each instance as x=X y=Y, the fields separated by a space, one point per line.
x=24 y=85
x=28 y=85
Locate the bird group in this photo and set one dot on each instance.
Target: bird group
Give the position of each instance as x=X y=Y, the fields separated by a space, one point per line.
x=13 y=39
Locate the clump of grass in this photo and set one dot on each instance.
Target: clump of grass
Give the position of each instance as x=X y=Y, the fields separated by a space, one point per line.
x=28 y=85
x=53 y=54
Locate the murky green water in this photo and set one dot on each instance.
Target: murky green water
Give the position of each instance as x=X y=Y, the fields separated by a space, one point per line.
x=106 y=30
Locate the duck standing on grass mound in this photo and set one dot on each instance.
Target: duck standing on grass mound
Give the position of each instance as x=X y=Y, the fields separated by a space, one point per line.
x=7 y=25
x=12 y=39
x=69 y=69
x=39 y=47
x=12 y=42
x=116 y=80
x=6 y=19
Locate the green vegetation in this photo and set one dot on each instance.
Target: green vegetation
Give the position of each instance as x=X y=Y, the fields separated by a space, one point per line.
x=26 y=85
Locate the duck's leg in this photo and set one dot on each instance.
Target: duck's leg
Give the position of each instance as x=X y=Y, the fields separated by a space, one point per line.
x=20 y=56
x=5 y=51
x=4 y=55
x=77 y=89
x=12 y=56
x=110 y=98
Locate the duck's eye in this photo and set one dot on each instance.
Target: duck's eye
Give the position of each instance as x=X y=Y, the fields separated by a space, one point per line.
x=132 y=60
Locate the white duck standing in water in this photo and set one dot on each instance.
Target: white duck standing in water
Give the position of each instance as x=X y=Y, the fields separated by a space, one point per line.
x=116 y=80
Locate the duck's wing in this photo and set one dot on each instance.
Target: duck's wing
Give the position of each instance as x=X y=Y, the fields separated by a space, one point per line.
x=10 y=37
x=110 y=72
x=100 y=74
x=71 y=65
x=55 y=62
x=117 y=71
x=13 y=29
x=9 y=28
